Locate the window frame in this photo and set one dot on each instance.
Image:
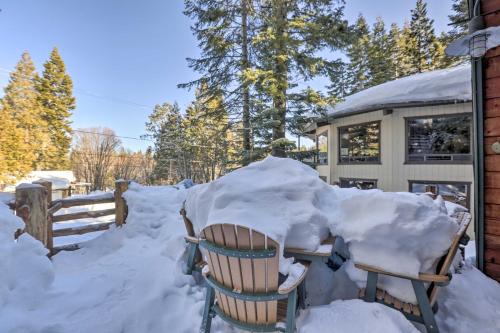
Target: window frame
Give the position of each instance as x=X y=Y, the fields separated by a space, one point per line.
x=327 y=148
x=339 y=128
x=447 y=115
x=444 y=182
x=375 y=181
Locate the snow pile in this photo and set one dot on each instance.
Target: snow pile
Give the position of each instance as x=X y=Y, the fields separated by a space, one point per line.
x=282 y=198
x=398 y=232
x=354 y=316
x=25 y=269
x=452 y=84
x=470 y=303
x=287 y=201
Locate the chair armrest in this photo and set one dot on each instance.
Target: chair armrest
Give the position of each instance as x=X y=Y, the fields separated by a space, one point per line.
x=288 y=286
x=191 y=239
x=425 y=277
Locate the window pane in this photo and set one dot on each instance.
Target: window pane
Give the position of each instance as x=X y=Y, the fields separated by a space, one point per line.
x=454 y=192
x=358 y=183
x=360 y=143
x=322 y=146
x=440 y=139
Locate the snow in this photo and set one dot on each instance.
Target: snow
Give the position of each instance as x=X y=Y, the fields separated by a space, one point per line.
x=287 y=201
x=282 y=198
x=354 y=316
x=130 y=279
x=461 y=46
x=61 y=179
x=451 y=85
x=471 y=303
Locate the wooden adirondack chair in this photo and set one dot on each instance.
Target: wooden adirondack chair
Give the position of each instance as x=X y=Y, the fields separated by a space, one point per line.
x=194 y=260
x=242 y=282
x=424 y=311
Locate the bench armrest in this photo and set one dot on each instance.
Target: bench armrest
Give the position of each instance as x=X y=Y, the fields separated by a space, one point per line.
x=289 y=285
x=425 y=277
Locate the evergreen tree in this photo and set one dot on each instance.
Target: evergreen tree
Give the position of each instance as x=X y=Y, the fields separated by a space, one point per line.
x=422 y=52
x=13 y=149
x=21 y=103
x=55 y=90
x=459 y=19
x=404 y=42
x=358 y=69
x=165 y=127
x=380 y=56
x=290 y=34
x=223 y=29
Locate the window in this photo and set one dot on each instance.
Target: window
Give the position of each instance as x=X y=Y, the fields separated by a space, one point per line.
x=322 y=147
x=362 y=184
x=441 y=139
x=456 y=192
x=359 y=143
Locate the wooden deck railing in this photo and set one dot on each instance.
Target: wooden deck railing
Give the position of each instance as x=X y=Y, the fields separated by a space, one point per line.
x=33 y=203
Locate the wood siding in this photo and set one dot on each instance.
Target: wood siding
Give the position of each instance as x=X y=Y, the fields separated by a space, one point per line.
x=491 y=135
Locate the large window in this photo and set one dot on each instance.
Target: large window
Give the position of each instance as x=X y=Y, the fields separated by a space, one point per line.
x=456 y=192
x=362 y=184
x=441 y=139
x=322 y=147
x=359 y=143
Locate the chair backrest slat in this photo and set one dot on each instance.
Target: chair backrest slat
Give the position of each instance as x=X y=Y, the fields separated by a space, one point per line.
x=463 y=219
x=253 y=275
x=230 y=239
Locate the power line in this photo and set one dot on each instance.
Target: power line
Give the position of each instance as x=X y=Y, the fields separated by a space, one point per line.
x=7 y=72
x=113 y=135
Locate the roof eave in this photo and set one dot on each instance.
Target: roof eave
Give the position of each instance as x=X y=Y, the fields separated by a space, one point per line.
x=386 y=106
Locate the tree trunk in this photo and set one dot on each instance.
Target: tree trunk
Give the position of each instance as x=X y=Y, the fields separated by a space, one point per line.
x=280 y=73
x=246 y=90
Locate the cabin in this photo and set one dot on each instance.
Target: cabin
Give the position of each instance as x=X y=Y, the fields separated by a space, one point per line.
x=411 y=134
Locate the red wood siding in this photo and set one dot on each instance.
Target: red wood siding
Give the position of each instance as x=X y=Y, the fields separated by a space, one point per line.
x=491 y=135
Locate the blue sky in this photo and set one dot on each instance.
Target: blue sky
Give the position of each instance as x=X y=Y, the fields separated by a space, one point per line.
x=125 y=56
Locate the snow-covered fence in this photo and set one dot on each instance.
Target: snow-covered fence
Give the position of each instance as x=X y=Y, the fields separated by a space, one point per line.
x=35 y=206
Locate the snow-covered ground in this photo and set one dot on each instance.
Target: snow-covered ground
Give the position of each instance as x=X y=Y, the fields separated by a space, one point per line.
x=130 y=279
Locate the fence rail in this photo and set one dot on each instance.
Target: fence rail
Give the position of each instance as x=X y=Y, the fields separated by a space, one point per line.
x=33 y=203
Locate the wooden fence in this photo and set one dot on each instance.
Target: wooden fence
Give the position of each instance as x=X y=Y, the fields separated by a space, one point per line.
x=33 y=203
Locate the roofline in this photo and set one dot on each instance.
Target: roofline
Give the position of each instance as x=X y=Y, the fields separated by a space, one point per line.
x=396 y=106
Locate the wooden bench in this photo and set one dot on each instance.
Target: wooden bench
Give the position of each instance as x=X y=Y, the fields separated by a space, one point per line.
x=243 y=281
x=426 y=306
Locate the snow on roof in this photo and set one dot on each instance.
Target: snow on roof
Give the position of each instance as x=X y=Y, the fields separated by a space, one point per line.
x=61 y=179
x=452 y=85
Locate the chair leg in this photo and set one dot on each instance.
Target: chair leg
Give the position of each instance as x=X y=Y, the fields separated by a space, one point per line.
x=371 y=287
x=207 y=315
x=425 y=306
x=291 y=311
x=302 y=294
x=190 y=259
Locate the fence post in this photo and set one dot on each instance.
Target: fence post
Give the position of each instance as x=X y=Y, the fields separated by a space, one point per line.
x=120 y=204
x=31 y=206
x=48 y=186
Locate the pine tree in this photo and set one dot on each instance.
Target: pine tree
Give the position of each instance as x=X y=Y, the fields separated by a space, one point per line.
x=380 y=58
x=422 y=51
x=21 y=102
x=224 y=31
x=358 y=68
x=165 y=127
x=290 y=34
x=13 y=149
x=55 y=90
x=459 y=19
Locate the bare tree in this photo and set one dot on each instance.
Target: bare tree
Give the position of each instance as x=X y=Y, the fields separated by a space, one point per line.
x=93 y=154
